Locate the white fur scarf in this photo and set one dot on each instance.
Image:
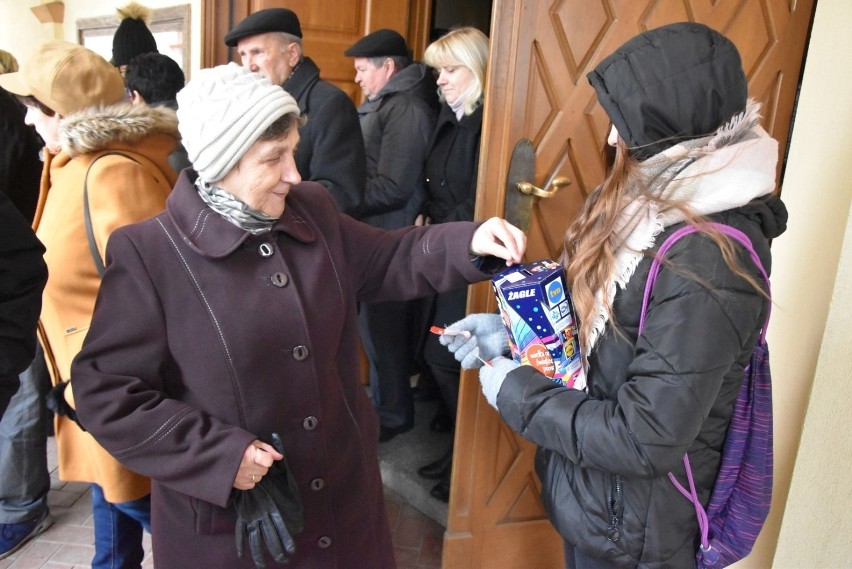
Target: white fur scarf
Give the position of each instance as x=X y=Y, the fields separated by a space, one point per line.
x=725 y=170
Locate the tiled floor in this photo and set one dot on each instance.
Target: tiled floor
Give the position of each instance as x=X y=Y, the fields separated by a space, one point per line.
x=67 y=544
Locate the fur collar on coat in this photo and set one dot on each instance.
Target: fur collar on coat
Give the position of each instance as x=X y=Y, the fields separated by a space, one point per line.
x=99 y=128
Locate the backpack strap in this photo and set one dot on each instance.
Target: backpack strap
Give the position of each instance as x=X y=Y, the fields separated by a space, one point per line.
x=656 y=266
x=87 y=216
x=733 y=233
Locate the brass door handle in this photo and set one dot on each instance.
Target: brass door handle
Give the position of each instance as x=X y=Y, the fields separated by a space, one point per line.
x=555 y=185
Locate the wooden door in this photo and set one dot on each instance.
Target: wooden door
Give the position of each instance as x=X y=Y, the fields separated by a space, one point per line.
x=537 y=90
x=328 y=28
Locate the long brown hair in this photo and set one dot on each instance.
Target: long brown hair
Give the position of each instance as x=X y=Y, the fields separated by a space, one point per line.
x=591 y=242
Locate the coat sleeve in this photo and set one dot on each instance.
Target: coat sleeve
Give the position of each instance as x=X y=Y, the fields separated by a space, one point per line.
x=338 y=160
x=121 y=389
x=411 y=262
x=23 y=274
x=698 y=331
x=405 y=140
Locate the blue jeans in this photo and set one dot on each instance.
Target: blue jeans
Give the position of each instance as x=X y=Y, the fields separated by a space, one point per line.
x=118 y=531
x=24 y=478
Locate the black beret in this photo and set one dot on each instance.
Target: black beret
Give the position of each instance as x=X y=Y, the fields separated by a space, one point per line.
x=381 y=43
x=269 y=20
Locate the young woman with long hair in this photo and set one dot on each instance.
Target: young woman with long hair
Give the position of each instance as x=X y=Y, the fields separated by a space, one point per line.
x=688 y=149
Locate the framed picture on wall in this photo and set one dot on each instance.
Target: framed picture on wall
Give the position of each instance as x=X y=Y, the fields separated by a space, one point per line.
x=170 y=27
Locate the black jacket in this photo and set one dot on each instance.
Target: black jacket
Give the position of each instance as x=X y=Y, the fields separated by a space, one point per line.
x=331 y=150
x=22 y=277
x=397 y=126
x=451 y=169
x=20 y=166
x=604 y=455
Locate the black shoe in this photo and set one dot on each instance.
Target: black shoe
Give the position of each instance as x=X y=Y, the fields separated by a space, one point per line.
x=441 y=422
x=439 y=468
x=387 y=433
x=441 y=490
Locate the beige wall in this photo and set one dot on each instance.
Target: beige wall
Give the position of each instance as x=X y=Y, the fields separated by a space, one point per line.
x=810 y=331
x=20 y=30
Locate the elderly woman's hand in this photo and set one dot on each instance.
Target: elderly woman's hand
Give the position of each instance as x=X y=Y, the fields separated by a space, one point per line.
x=257 y=459
x=499 y=238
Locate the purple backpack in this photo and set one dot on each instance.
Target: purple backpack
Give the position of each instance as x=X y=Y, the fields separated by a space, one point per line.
x=742 y=493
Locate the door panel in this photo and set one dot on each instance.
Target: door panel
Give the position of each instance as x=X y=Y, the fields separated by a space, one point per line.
x=540 y=54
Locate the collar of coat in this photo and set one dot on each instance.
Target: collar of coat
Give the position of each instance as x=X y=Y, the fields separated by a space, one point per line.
x=301 y=79
x=99 y=128
x=407 y=80
x=472 y=122
x=211 y=235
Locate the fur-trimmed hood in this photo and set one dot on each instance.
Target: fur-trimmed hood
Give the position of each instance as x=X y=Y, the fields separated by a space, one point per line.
x=96 y=129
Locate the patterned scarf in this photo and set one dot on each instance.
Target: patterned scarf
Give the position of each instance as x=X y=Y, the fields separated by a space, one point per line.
x=234 y=210
x=725 y=170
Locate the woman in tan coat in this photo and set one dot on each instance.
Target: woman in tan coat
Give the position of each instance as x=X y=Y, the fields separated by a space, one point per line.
x=118 y=153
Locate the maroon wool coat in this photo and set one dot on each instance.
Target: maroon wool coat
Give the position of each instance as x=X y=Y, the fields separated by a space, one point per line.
x=206 y=337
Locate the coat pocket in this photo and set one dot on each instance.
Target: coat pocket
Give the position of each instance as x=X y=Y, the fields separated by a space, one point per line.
x=211 y=519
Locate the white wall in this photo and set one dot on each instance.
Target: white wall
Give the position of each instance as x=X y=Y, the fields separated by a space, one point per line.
x=20 y=30
x=810 y=333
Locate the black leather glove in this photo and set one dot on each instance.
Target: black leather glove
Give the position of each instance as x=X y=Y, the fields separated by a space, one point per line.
x=270 y=513
x=56 y=402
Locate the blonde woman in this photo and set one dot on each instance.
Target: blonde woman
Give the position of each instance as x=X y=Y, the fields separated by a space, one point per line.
x=688 y=147
x=459 y=58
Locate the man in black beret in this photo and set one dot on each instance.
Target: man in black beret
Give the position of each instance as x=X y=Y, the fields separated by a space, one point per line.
x=331 y=150
x=397 y=119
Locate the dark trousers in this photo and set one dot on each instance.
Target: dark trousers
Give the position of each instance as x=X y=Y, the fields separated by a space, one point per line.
x=388 y=332
x=445 y=309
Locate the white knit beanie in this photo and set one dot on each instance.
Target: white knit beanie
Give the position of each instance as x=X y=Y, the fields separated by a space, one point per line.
x=222 y=111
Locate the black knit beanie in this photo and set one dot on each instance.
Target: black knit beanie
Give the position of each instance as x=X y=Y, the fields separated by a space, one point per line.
x=132 y=37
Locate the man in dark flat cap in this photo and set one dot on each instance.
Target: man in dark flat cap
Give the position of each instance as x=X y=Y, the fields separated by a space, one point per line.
x=331 y=151
x=397 y=119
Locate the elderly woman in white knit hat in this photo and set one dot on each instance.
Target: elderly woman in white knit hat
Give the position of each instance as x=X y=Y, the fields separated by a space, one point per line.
x=225 y=342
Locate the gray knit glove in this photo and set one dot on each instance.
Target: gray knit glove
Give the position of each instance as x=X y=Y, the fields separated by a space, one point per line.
x=486 y=339
x=491 y=377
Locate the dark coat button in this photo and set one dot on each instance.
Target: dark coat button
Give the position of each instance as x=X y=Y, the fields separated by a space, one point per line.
x=317 y=484
x=265 y=250
x=324 y=542
x=300 y=353
x=280 y=279
x=310 y=423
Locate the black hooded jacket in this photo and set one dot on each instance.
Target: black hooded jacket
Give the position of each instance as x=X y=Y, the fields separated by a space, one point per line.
x=604 y=454
x=397 y=125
